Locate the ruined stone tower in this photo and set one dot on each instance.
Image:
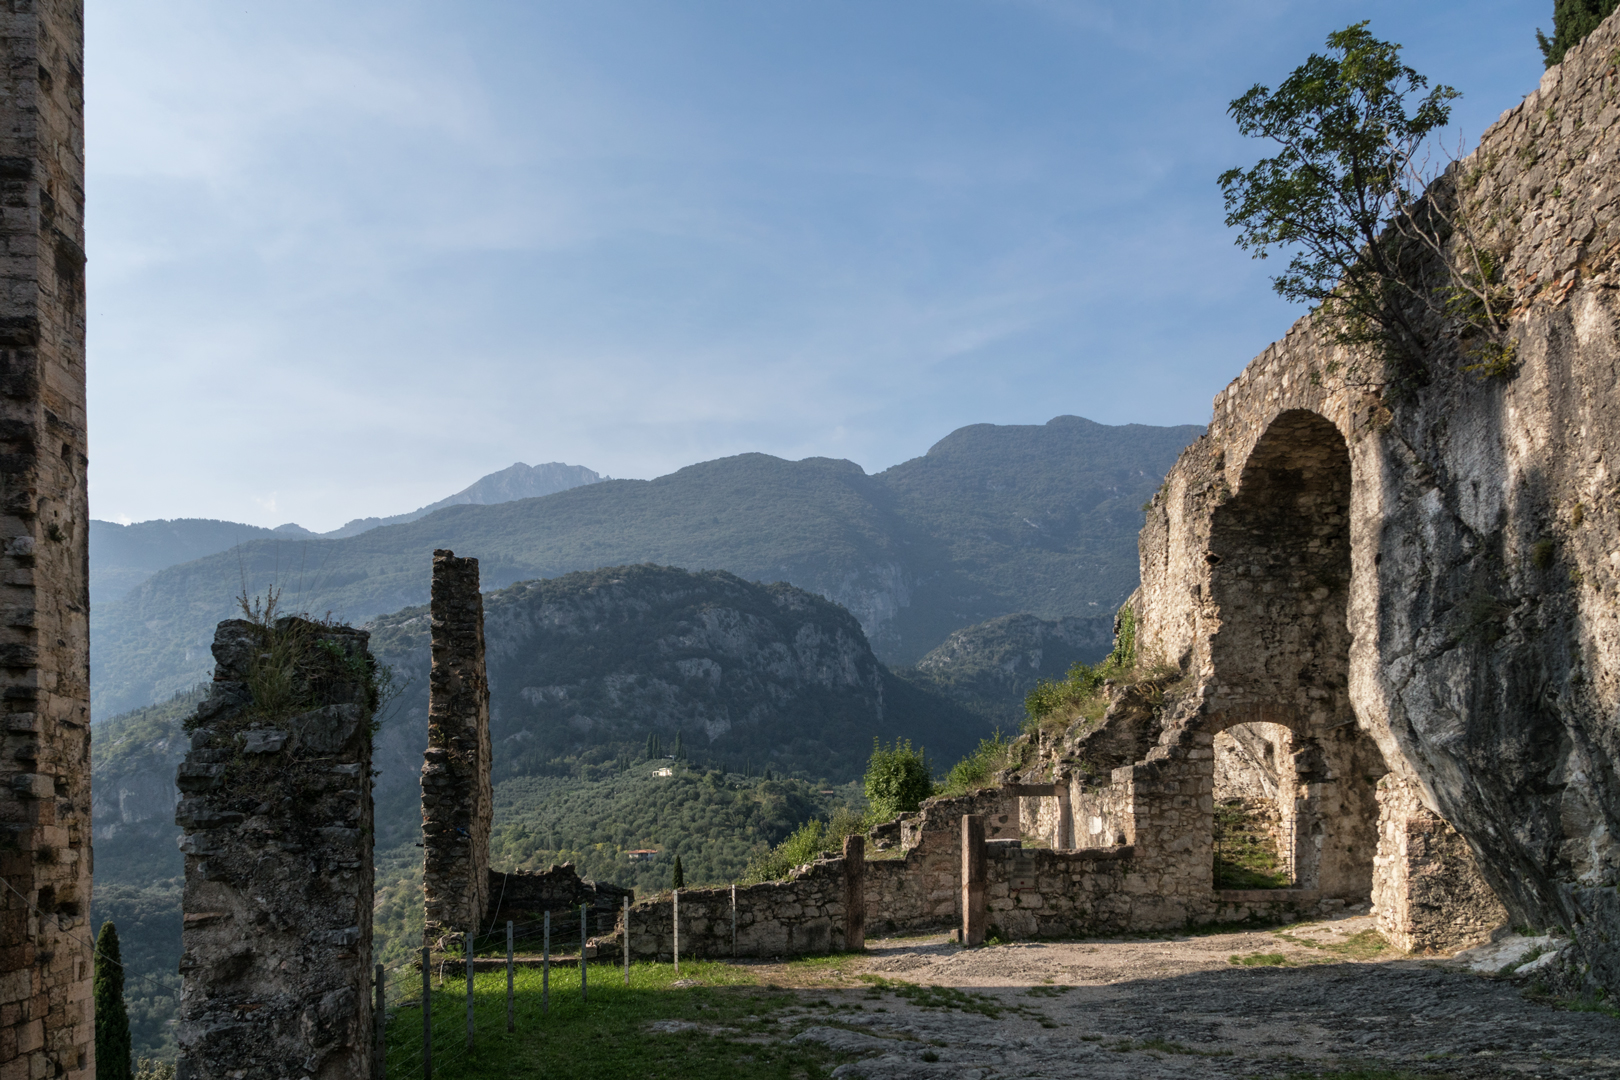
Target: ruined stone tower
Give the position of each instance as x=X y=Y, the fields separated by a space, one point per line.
x=46 y=1027
x=276 y=807
x=456 y=796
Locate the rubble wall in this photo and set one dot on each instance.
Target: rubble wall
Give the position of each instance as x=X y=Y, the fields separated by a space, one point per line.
x=457 y=799
x=277 y=817
x=46 y=1027
x=1429 y=896
x=1481 y=584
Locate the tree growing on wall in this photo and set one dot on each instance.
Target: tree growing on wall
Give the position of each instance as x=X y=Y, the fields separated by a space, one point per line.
x=112 y=1019
x=1352 y=126
x=897 y=779
x=1572 y=21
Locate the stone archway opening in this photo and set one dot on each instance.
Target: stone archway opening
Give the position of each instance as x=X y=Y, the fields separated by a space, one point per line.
x=1256 y=819
x=1279 y=557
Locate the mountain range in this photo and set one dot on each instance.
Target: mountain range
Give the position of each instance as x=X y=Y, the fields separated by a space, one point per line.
x=993 y=520
x=122 y=556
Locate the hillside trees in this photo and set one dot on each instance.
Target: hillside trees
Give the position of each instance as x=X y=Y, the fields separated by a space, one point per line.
x=897 y=779
x=1572 y=21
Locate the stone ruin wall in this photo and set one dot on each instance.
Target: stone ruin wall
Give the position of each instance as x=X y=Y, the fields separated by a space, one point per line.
x=1479 y=648
x=46 y=1024
x=277 y=817
x=457 y=798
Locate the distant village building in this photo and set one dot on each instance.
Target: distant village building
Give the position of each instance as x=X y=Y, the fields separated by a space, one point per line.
x=642 y=854
x=665 y=771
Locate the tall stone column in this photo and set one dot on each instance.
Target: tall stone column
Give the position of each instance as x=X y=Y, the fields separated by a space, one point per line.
x=457 y=803
x=276 y=808
x=46 y=1026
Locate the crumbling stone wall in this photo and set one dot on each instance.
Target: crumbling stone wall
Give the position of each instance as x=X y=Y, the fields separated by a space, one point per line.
x=276 y=808
x=45 y=962
x=457 y=799
x=1429 y=896
x=1465 y=624
x=525 y=896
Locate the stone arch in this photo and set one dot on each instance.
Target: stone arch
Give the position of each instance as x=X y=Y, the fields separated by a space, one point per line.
x=1279 y=584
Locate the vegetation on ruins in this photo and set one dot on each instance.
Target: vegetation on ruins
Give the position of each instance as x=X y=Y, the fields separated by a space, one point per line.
x=979 y=768
x=112 y=1022
x=897 y=779
x=1572 y=21
x=1388 y=271
x=1079 y=696
x=677 y=879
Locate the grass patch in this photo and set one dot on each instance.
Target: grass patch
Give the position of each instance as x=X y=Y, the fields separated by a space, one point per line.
x=609 y=1036
x=1245 y=848
x=1260 y=959
x=1362 y=946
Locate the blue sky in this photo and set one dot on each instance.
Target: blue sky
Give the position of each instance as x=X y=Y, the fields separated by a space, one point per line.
x=347 y=258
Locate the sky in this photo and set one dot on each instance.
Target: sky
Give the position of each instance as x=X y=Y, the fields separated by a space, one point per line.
x=345 y=259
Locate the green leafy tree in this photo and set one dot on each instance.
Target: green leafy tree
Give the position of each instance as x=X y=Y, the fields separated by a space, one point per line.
x=1352 y=125
x=112 y=1020
x=897 y=779
x=677 y=879
x=1572 y=21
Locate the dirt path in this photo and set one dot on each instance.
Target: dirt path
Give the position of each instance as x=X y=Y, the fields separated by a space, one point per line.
x=1309 y=1000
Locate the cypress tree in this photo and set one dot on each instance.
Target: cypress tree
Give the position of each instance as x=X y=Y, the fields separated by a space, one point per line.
x=1572 y=21
x=677 y=879
x=112 y=1020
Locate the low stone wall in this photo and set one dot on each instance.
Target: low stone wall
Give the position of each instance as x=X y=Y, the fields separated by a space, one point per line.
x=1429 y=895
x=525 y=896
x=801 y=916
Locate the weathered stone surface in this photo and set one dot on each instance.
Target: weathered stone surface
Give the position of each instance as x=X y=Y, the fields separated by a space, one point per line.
x=457 y=800
x=45 y=809
x=1428 y=893
x=277 y=815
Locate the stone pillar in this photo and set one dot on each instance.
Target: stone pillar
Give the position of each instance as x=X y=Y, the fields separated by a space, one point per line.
x=854 y=893
x=46 y=1026
x=1428 y=894
x=276 y=807
x=456 y=797
x=974 y=872
x=1063 y=834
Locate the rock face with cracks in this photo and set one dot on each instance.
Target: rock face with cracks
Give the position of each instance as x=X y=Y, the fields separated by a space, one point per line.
x=1426 y=585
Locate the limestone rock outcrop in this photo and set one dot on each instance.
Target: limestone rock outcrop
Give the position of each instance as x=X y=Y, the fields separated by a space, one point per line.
x=1427 y=586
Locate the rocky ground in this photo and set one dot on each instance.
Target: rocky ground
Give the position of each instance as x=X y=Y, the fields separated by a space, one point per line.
x=1321 y=1000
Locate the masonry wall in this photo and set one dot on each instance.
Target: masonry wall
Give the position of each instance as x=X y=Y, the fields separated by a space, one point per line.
x=457 y=799
x=1482 y=597
x=1429 y=896
x=277 y=812
x=46 y=1026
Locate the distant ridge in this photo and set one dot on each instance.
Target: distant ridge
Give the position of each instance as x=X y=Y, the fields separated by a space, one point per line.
x=123 y=556
x=993 y=520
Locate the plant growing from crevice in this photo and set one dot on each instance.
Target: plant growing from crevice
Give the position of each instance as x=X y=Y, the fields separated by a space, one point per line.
x=1388 y=260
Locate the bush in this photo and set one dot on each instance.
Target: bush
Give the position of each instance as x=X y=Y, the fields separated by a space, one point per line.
x=1080 y=694
x=979 y=768
x=897 y=779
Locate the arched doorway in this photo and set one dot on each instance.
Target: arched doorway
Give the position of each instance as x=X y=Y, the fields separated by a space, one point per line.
x=1279 y=557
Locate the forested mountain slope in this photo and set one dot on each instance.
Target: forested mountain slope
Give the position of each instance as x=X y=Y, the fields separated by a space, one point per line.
x=993 y=520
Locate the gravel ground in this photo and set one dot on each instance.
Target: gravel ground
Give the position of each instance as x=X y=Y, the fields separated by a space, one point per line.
x=1337 y=1002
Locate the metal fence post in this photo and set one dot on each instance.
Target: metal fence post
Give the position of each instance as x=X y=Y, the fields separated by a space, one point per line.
x=584 y=931
x=734 y=920
x=469 y=942
x=427 y=1014
x=545 y=968
x=677 y=920
x=511 y=1015
x=627 y=941
x=379 y=1019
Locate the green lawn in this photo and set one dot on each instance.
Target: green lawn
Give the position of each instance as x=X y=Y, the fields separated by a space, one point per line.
x=608 y=1036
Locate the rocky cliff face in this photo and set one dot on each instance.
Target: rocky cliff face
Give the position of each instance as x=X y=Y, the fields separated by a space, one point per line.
x=585 y=667
x=991 y=666
x=1441 y=569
